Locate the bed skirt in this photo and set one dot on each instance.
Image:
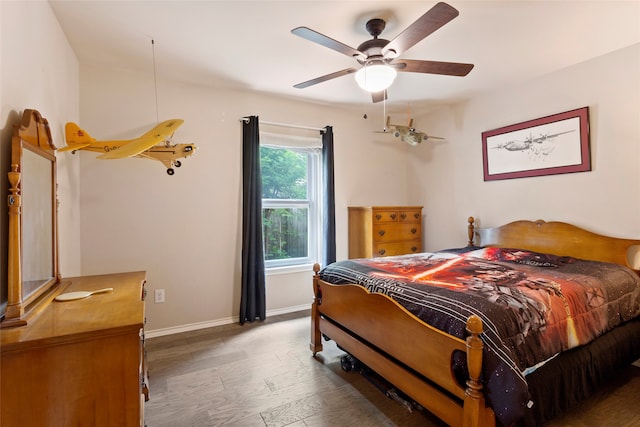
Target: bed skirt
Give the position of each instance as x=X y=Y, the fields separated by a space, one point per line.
x=561 y=384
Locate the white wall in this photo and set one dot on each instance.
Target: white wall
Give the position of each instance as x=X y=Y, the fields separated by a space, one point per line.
x=38 y=70
x=447 y=176
x=184 y=230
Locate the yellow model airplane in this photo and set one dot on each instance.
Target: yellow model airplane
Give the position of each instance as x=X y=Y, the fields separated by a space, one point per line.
x=156 y=145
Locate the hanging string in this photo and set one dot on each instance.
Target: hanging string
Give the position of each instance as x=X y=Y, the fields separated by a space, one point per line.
x=409 y=115
x=155 y=81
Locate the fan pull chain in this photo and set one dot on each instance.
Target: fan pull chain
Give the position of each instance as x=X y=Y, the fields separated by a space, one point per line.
x=384 y=113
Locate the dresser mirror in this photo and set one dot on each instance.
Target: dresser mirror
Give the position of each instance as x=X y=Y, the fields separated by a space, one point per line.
x=33 y=247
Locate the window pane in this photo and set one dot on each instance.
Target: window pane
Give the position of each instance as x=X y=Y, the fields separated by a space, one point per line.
x=284 y=173
x=285 y=232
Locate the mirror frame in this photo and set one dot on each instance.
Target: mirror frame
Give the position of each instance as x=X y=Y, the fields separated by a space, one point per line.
x=33 y=134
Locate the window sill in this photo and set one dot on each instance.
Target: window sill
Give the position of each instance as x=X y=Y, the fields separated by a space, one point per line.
x=301 y=268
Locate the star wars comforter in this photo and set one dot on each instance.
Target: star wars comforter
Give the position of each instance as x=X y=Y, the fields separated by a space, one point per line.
x=533 y=306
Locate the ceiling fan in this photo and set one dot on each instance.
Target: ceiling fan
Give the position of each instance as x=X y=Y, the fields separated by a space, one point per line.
x=378 y=58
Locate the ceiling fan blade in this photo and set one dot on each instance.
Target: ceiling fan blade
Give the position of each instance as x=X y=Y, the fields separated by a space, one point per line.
x=379 y=96
x=433 y=19
x=325 y=78
x=433 y=67
x=321 y=39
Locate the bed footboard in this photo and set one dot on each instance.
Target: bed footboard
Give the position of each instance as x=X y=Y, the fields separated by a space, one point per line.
x=417 y=360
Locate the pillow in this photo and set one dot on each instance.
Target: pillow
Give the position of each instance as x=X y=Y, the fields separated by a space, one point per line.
x=521 y=256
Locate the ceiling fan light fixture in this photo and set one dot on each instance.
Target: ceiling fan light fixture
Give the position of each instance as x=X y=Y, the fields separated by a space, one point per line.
x=375 y=77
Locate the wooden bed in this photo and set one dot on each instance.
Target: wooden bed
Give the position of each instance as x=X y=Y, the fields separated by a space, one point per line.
x=417 y=358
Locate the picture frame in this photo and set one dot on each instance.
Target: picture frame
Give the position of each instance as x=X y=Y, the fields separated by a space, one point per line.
x=550 y=145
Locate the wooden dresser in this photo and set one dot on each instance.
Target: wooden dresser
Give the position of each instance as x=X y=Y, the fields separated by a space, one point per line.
x=81 y=362
x=384 y=230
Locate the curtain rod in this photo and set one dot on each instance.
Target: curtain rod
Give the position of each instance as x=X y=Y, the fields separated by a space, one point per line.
x=287 y=125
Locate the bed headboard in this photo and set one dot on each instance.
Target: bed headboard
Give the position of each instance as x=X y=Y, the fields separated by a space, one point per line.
x=558 y=238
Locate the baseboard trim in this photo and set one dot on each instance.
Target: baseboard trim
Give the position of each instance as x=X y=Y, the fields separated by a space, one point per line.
x=213 y=323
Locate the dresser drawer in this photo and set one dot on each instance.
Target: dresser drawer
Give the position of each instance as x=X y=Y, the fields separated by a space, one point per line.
x=412 y=215
x=383 y=216
x=397 y=248
x=395 y=231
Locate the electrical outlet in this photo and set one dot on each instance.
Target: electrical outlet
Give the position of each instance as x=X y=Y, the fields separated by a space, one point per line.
x=159 y=296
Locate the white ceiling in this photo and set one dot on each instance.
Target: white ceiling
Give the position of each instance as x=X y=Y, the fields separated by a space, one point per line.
x=249 y=45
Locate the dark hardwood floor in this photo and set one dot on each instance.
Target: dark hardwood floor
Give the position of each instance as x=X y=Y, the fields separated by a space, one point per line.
x=264 y=375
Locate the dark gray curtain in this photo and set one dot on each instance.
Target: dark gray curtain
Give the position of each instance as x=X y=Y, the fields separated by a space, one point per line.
x=329 y=214
x=252 y=299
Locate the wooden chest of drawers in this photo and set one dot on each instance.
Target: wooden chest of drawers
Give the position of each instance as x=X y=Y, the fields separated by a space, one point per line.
x=79 y=363
x=384 y=230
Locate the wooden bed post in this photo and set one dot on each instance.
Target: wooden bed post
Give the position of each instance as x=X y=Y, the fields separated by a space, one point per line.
x=316 y=337
x=471 y=231
x=475 y=414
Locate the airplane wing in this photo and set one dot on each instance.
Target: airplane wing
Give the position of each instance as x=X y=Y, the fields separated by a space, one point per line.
x=164 y=129
x=136 y=146
x=74 y=147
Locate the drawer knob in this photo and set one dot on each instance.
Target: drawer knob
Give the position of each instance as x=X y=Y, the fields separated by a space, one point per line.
x=414 y=231
x=414 y=249
x=378 y=216
x=393 y=216
x=416 y=215
x=403 y=215
x=381 y=233
x=382 y=251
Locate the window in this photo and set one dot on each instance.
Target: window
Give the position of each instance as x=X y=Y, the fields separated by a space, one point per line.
x=291 y=205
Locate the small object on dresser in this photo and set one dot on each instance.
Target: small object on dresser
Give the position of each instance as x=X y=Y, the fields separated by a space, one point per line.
x=70 y=296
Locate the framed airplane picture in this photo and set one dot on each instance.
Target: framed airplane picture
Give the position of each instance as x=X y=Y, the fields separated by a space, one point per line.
x=549 y=145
